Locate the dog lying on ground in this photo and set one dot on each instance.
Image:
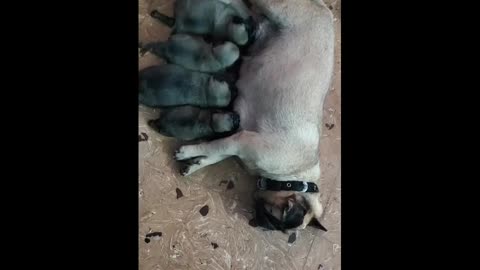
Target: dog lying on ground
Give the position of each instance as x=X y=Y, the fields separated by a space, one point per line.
x=220 y=19
x=191 y=123
x=171 y=85
x=282 y=87
x=193 y=53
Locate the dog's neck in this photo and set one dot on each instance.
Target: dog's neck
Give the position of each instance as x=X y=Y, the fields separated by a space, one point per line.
x=275 y=185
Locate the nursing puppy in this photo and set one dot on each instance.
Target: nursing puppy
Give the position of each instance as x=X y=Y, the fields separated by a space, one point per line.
x=192 y=52
x=220 y=19
x=191 y=123
x=281 y=91
x=171 y=85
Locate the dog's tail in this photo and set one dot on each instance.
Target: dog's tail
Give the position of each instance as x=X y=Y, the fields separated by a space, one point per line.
x=168 y=21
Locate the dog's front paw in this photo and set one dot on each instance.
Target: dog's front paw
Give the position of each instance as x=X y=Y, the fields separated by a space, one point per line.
x=179 y=154
x=190 y=165
x=184 y=168
x=184 y=152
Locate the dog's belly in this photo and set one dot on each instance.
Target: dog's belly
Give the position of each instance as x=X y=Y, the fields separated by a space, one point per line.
x=281 y=95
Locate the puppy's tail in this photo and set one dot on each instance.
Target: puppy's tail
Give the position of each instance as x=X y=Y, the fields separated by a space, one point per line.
x=157 y=48
x=159 y=127
x=168 y=21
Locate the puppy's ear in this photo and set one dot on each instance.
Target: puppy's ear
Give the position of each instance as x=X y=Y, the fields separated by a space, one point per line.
x=316 y=224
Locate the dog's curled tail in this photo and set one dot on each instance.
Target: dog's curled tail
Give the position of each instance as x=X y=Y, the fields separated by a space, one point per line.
x=168 y=21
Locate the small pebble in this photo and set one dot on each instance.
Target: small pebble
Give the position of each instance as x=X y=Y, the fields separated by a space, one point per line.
x=179 y=193
x=204 y=210
x=329 y=126
x=214 y=245
x=154 y=234
x=142 y=137
x=292 y=238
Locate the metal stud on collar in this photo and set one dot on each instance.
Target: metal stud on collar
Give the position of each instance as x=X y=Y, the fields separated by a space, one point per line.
x=305 y=186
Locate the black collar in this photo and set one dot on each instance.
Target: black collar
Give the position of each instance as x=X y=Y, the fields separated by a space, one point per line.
x=274 y=185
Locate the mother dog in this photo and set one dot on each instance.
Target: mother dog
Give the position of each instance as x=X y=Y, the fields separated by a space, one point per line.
x=281 y=91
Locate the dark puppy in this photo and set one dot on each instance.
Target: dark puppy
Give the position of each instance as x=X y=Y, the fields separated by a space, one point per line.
x=172 y=85
x=222 y=20
x=191 y=123
x=194 y=53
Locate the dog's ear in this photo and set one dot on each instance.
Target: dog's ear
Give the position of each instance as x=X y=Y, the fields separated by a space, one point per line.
x=314 y=213
x=316 y=224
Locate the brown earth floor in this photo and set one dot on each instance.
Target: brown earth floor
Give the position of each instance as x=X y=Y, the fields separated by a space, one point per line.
x=223 y=239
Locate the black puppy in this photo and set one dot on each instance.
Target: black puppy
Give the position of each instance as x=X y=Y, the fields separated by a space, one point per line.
x=194 y=53
x=191 y=123
x=172 y=85
x=222 y=20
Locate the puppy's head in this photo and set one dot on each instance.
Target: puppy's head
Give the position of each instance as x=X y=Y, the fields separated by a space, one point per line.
x=225 y=121
x=239 y=30
x=227 y=53
x=284 y=210
x=252 y=28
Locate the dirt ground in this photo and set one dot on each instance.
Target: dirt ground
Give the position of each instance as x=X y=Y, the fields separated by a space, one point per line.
x=221 y=238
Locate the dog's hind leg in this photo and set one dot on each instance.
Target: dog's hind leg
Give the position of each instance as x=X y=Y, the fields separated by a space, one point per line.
x=168 y=21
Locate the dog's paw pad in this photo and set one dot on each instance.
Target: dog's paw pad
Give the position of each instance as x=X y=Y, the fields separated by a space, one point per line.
x=194 y=161
x=184 y=170
x=181 y=153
